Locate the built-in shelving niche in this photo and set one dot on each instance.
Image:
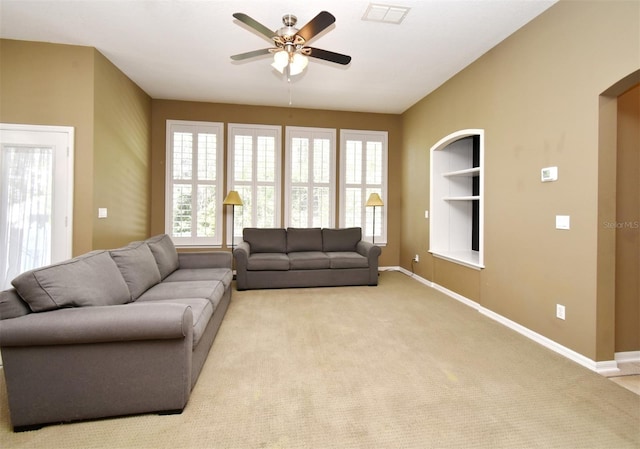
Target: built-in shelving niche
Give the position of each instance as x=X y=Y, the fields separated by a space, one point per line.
x=457 y=190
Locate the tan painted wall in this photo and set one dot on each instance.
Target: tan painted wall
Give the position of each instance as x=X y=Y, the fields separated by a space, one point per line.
x=229 y=113
x=47 y=84
x=628 y=223
x=122 y=162
x=51 y=84
x=536 y=96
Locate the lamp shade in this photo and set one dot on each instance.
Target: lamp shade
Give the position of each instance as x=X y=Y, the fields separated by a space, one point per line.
x=374 y=200
x=232 y=199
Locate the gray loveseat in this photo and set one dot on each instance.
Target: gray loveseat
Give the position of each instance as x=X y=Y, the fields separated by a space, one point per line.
x=304 y=257
x=109 y=333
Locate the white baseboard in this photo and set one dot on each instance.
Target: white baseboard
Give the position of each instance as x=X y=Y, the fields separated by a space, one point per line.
x=628 y=357
x=599 y=367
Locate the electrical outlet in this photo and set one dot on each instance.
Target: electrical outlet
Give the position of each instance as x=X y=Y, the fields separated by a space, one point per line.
x=416 y=258
x=560 y=311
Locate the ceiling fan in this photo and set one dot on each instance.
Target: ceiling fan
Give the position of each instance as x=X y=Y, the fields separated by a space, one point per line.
x=290 y=51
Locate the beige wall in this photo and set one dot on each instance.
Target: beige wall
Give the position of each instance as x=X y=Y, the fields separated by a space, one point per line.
x=122 y=161
x=627 y=223
x=47 y=84
x=164 y=110
x=536 y=95
x=50 y=84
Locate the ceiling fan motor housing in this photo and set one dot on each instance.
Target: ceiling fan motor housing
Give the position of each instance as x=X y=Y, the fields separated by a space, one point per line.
x=288 y=33
x=289 y=20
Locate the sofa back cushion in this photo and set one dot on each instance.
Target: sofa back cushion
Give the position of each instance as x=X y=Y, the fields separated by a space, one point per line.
x=345 y=239
x=308 y=239
x=92 y=279
x=266 y=240
x=138 y=267
x=164 y=251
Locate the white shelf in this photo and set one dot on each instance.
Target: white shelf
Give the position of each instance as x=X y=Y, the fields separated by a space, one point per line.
x=469 y=258
x=461 y=198
x=475 y=171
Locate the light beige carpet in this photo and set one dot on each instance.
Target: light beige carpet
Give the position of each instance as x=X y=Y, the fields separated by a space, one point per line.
x=394 y=366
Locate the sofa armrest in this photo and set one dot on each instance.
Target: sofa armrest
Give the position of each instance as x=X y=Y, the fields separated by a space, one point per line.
x=241 y=254
x=86 y=325
x=369 y=250
x=208 y=259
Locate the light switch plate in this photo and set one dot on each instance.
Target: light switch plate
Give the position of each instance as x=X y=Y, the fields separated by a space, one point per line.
x=563 y=222
x=102 y=212
x=549 y=174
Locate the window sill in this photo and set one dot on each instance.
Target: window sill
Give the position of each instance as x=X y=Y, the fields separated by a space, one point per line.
x=470 y=259
x=199 y=247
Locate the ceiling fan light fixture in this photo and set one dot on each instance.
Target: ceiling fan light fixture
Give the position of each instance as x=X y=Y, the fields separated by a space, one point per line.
x=298 y=63
x=280 y=61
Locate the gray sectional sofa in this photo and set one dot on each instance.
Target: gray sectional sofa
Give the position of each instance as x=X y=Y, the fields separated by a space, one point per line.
x=109 y=333
x=304 y=257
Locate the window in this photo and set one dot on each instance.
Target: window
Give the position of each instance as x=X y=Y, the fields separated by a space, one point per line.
x=310 y=177
x=254 y=157
x=363 y=168
x=457 y=189
x=194 y=182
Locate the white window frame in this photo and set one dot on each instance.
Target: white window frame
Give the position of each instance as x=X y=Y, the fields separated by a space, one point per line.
x=367 y=188
x=293 y=132
x=195 y=127
x=255 y=131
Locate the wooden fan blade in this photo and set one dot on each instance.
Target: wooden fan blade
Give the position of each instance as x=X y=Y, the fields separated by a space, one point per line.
x=260 y=28
x=328 y=55
x=251 y=54
x=316 y=25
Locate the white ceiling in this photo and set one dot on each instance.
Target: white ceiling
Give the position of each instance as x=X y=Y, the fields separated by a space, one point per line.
x=181 y=49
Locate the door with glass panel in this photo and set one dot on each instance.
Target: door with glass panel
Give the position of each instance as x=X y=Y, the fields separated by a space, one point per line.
x=36 y=197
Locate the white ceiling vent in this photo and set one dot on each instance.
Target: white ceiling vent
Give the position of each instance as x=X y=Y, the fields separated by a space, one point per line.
x=385 y=13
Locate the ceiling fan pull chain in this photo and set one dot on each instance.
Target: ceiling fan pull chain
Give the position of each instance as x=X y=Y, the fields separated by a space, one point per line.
x=288 y=75
x=289 y=83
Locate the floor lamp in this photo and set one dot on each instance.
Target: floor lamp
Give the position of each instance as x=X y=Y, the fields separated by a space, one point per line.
x=373 y=201
x=233 y=200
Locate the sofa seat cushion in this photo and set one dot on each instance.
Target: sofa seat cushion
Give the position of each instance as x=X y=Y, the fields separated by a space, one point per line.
x=202 y=312
x=309 y=260
x=168 y=291
x=92 y=279
x=223 y=275
x=138 y=267
x=347 y=259
x=345 y=239
x=266 y=240
x=268 y=262
x=165 y=253
x=304 y=239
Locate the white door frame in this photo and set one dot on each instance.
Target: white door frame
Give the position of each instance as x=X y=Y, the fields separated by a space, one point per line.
x=66 y=246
